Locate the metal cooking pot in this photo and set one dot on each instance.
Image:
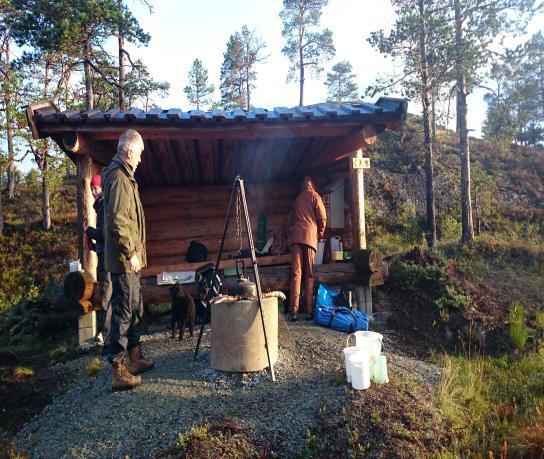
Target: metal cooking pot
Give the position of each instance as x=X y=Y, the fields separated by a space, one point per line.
x=244 y=287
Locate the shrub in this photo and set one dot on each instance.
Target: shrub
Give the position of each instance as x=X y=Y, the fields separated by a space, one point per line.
x=517 y=330
x=450 y=229
x=431 y=285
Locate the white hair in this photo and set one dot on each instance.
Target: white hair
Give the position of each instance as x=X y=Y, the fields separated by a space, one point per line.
x=129 y=140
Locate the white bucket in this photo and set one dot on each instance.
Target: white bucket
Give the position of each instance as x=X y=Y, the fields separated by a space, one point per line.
x=360 y=370
x=370 y=342
x=75 y=266
x=348 y=351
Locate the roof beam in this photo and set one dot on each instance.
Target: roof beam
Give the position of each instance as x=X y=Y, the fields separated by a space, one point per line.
x=243 y=131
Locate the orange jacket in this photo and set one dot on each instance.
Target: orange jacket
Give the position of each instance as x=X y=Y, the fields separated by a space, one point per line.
x=309 y=216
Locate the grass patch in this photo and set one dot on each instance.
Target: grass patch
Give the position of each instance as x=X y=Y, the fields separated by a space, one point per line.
x=539 y=319
x=62 y=352
x=94 y=366
x=23 y=372
x=390 y=420
x=517 y=330
x=509 y=269
x=493 y=401
x=223 y=438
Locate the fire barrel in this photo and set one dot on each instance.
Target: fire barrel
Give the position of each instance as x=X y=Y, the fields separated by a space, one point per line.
x=238 y=343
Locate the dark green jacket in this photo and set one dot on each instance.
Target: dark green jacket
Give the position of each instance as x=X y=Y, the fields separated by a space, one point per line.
x=125 y=220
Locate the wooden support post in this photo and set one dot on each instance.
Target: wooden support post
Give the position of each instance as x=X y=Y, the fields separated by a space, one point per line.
x=86 y=216
x=363 y=294
x=358 y=205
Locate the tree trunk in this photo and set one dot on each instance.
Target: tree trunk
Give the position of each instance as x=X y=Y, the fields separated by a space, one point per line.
x=9 y=124
x=121 y=40
x=248 y=106
x=46 y=207
x=301 y=63
x=1 y=202
x=89 y=96
x=431 y=220
x=466 y=203
x=434 y=97
x=86 y=215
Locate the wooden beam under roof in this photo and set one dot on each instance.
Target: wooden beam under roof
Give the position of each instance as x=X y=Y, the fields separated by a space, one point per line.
x=248 y=131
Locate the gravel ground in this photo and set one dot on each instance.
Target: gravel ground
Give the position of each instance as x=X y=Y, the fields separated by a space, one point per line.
x=89 y=421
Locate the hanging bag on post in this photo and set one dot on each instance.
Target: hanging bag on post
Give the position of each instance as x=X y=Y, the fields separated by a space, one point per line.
x=340 y=318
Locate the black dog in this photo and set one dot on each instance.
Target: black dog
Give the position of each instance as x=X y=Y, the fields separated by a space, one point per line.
x=183 y=310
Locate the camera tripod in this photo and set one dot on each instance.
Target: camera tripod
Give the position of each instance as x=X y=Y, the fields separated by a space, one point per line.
x=209 y=281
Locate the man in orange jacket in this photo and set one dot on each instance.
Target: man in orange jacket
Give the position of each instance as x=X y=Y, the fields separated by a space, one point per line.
x=309 y=221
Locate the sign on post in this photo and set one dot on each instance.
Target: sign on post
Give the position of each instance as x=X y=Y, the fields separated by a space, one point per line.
x=360 y=163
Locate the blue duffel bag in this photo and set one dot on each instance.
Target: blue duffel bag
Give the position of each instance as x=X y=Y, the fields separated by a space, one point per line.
x=340 y=318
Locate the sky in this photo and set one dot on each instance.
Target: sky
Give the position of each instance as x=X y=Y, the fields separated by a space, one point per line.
x=183 y=30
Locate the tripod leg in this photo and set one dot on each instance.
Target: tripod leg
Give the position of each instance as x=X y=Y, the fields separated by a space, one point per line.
x=204 y=319
x=256 y=274
x=219 y=255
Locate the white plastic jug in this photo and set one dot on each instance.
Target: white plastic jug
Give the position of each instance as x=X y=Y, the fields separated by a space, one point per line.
x=360 y=370
x=336 y=244
x=370 y=342
x=348 y=351
x=74 y=265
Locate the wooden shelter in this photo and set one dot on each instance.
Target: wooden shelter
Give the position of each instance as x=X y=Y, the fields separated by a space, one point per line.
x=191 y=159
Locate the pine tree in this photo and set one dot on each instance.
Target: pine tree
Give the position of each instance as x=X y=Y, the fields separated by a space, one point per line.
x=340 y=84
x=6 y=79
x=306 y=47
x=477 y=23
x=252 y=47
x=419 y=39
x=198 y=90
x=128 y=28
x=232 y=79
x=238 y=74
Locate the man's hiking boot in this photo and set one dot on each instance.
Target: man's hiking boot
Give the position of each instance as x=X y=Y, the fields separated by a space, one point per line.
x=121 y=379
x=137 y=363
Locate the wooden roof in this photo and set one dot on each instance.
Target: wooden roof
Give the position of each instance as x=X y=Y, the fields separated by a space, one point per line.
x=197 y=147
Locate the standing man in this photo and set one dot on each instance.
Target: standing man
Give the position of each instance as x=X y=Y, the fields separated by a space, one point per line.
x=125 y=256
x=309 y=221
x=104 y=278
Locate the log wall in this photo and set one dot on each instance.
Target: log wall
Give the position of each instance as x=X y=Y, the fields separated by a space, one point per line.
x=175 y=216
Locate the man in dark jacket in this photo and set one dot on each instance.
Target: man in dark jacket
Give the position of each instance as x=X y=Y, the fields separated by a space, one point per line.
x=309 y=221
x=125 y=256
x=104 y=278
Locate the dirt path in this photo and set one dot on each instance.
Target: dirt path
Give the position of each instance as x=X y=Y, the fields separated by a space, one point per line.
x=91 y=421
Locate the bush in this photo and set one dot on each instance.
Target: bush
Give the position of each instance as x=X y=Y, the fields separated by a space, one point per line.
x=450 y=229
x=517 y=330
x=430 y=285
